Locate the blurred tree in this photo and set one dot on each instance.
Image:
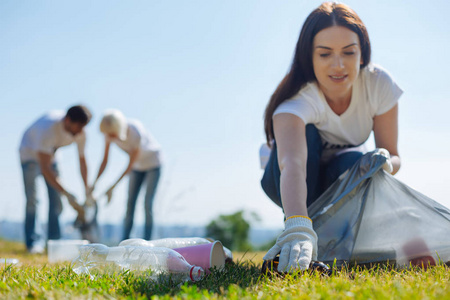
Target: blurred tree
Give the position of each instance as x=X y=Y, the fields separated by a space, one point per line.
x=232 y=230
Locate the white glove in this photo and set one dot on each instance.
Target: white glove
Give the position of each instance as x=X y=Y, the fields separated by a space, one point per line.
x=297 y=244
x=388 y=164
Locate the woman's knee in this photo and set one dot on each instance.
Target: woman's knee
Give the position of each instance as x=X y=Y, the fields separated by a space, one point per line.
x=270 y=181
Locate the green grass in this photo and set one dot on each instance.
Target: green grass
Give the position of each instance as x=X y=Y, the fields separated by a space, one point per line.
x=35 y=278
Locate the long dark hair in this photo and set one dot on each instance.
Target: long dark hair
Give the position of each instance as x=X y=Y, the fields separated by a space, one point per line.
x=301 y=72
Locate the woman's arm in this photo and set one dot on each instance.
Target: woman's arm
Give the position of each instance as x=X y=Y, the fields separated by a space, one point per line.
x=133 y=156
x=297 y=244
x=292 y=156
x=105 y=159
x=385 y=129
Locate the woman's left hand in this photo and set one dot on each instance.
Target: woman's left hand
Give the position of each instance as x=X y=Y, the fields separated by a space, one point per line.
x=388 y=164
x=385 y=129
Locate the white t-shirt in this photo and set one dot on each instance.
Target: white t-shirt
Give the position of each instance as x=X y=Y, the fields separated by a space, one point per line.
x=149 y=156
x=46 y=135
x=374 y=93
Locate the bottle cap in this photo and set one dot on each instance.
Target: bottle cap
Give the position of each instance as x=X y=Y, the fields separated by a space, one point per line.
x=196 y=273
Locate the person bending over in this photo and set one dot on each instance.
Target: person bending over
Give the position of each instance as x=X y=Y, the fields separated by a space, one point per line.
x=37 y=151
x=321 y=113
x=144 y=164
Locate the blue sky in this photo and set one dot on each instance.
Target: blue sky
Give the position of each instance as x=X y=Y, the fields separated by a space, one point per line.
x=198 y=74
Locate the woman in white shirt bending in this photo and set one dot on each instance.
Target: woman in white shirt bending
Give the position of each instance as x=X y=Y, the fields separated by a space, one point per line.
x=144 y=164
x=317 y=120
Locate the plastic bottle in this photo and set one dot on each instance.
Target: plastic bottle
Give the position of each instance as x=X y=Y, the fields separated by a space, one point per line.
x=174 y=243
x=155 y=261
x=167 y=242
x=9 y=261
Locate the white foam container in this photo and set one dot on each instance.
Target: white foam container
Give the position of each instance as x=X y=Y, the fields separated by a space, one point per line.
x=63 y=250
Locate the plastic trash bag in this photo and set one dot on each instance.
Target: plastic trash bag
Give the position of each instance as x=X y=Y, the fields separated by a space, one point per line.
x=88 y=226
x=367 y=216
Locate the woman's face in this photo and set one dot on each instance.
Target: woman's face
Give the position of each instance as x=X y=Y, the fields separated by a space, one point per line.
x=336 y=61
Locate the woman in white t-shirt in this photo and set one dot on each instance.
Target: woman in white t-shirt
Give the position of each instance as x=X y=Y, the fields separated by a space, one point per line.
x=144 y=164
x=318 y=118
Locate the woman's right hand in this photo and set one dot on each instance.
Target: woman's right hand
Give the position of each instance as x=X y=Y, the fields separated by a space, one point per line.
x=297 y=245
x=90 y=189
x=109 y=193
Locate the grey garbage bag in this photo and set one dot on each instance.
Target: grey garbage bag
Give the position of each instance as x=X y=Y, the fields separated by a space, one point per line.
x=367 y=216
x=88 y=226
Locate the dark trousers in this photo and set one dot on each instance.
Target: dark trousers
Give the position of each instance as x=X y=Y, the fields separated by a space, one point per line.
x=318 y=177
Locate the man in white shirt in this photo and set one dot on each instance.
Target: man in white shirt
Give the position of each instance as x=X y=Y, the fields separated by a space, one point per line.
x=37 y=155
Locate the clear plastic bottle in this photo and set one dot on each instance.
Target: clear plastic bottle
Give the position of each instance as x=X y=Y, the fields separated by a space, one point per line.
x=154 y=261
x=9 y=261
x=167 y=242
x=174 y=243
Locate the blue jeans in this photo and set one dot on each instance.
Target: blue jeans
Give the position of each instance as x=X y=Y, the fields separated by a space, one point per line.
x=31 y=171
x=151 y=178
x=318 y=176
